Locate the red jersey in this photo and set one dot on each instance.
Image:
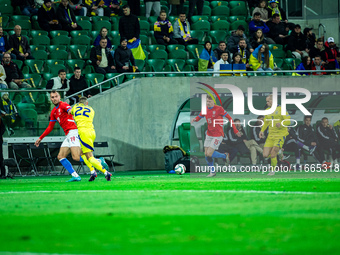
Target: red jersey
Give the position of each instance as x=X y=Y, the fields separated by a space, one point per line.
x=215 y=128
x=66 y=121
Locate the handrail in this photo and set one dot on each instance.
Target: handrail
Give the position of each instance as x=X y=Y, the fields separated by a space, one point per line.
x=324 y=30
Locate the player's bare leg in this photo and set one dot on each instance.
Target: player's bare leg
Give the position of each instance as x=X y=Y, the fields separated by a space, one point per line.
x=62 y=157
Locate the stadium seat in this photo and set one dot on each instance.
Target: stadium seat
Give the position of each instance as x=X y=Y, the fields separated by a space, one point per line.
x=5 y=20
x=144 y=27
x=155 y=65
x=234 y=4
x=273 y=47
x=25 y=25
x=20 y=17
x=77 y=33
x=173 y=47
x=35 y=66
x=115 y=37
x=217 y=36
x=172 y=19
x=194 y=50
x=115 y=82
x=6 y=9
x=278 y=53
x=197 y=18
x=236 y=24
x=37 y=47
x=220 y=25
x=72 y=63
x=82 y=40
x=176 y=65
x=218 y=3
x=188 y=140
x=18 y=62
x=29 y=117
x=55 y=33
x=41 y=40
x=203 y=25
x=221 y=10
x=152 y=37
x=206 y=10
x=236 y=18
x=34 y=79
x=85 y=24
x=80 y=18
x=291 y=63
x=178 y=54
x=58 y=54
x=115 y=23
x=48 y=76
x=98 y=25
x=192 y=62
x=96 y=19
x=217 y=18
x=278 y=62
x=140 y=64
x=199 y=35
x=238 y=11
x=55 y=68
x=51 y=48
x=152 y=20
x=39 y=54
x=95 y=78
x=61 y=40
x=78 y=51
x=35 y=33
x=154 y=47
x=144 y=39
x=158 y=54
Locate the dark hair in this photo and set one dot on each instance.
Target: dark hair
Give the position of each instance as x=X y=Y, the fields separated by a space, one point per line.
x=275 y=15
x=307 y=117
x=255 y=34
x=54 y=91
x=260 y=2
x=265 y=53
x=221 y=42
x=319 y=40
x=235 y=55
x=61 y=71
x=205 y=44
x=304 y=62
x=182 y=13
x=77 y=68
x=224 y=52
x=126 y=6
x=257 y=14
x=242 y=39
x=324 y=118
x=100 y=32
x=162 y=11
x=260 y=116
x=101 y=39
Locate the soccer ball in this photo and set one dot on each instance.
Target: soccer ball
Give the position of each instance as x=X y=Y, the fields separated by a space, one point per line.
x=180 y=169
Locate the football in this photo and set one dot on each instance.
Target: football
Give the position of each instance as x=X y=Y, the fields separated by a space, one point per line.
x=180 y=169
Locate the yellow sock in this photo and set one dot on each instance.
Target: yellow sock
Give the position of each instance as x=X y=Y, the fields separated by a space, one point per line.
x=97 y=165
x=89 y=165
x=273 y=162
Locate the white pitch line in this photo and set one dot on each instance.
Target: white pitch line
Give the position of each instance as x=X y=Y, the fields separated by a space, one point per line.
x=176 y=191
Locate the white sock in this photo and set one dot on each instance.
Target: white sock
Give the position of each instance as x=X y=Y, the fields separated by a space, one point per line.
x=298 y=161
x=74 y=174
x=93 y=172
x=106 y=172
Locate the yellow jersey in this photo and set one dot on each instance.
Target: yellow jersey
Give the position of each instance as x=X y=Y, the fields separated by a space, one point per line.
x=83 y=116
x=271 y=120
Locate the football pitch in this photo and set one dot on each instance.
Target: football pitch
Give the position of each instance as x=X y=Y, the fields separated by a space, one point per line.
x=158 y=213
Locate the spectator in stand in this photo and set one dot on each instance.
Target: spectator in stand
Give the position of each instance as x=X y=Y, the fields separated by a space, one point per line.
x=317 y=49
x=328 y=138
x=310 y=37
x=222 y=47
x=163 y=30
x=242 y=50
x=278 y=31
x=9 y=113
x=329 y=54
x=95 y=7
x=236 y=36
x=222 y=61
x=206 y=60
x=318 y=66
x=103 y=34
x=47 y=17
x=112 y=8
x=262 y=9
x=4 y=45
x=102 y=59
x=306 y=64
x=297 y=43
x=152 y=4
x=78 y=7
x=257 y=23
x=273 y=8
x=176 y=7
x=125 y=61
x=66 y=17
x=135 y=7
x=259 y=38
x=14 y=76
x=27 y=7
x=256 y=131
x=77 y=83
x=129 y=25
x=226 y=147
x=237 y=60
x=192 y=5
x=182 y=31
x=3 y=84
x=243 y=144
x=20 y=45
x=59 y=82
x=262 y=59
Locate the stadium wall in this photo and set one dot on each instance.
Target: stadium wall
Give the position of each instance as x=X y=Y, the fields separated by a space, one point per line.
x=136 y=117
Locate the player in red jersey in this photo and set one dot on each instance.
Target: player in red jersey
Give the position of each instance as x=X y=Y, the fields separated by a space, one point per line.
x=215 y=132
x=71 y=142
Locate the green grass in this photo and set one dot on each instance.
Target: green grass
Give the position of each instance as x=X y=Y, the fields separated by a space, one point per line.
x=156 y=213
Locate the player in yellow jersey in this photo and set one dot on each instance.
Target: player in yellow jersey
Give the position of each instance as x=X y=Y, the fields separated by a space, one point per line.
x=276 y=133
x=83 y=116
